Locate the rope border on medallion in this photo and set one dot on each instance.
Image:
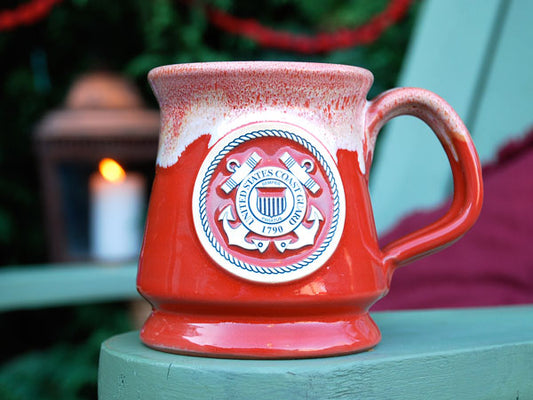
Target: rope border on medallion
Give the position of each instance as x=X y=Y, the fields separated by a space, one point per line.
x=205 y=184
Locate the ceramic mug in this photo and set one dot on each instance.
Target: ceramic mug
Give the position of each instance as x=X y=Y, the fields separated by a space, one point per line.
x=260 y=240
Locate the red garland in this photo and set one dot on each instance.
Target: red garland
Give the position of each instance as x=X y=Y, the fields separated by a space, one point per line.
x=26 y=14
x=319 y=43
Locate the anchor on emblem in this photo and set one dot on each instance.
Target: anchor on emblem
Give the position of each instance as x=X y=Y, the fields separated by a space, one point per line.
x=270 y=202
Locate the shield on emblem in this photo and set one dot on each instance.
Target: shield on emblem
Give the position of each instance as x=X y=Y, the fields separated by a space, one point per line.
x=271 y=201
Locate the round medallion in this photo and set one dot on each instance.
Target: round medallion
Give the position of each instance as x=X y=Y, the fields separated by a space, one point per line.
x=268 y=203
x=271 y=202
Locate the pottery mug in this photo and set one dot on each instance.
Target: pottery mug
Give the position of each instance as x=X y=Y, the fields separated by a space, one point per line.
x=260 y=240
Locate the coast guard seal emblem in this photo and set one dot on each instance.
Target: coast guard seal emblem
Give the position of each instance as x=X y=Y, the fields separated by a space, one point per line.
x=268 y=203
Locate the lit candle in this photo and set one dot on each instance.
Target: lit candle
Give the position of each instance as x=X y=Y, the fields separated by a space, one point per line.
x=117 y=211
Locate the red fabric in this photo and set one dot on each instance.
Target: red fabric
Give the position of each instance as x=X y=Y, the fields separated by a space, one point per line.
x=493 y=263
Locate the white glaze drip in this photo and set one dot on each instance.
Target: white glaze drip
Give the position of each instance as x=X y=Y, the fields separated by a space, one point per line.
x=204 y=119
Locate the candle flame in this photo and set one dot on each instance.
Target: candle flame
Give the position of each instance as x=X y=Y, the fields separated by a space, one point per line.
x=111 y=170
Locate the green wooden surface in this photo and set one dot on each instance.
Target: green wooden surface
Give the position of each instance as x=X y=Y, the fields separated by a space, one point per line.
x=477 y=55
x=441 y=354
x=505 y=109
x=447 y=55
x=41 y=286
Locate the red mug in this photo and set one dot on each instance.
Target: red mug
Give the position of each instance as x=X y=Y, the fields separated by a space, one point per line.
x=260 y=240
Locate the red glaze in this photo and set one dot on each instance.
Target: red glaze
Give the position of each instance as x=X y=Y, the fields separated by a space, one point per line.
x=462 y=155
x=201 y=308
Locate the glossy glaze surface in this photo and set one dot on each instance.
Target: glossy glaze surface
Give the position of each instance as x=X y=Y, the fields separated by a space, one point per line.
x=203 y=307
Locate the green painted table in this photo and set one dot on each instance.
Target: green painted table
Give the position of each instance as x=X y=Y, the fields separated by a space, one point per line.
x=484 y=353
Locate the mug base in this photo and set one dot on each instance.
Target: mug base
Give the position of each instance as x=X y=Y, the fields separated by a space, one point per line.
x=255 y=337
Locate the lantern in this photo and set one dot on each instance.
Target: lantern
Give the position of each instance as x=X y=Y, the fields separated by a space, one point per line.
x=104 y=117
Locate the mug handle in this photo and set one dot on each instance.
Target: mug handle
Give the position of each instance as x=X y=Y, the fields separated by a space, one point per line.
x=464 y=161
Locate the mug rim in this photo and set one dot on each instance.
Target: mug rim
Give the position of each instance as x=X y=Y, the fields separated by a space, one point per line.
x=198 y=68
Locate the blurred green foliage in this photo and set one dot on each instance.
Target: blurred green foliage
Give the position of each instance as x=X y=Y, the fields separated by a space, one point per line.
x=38 y=63
x=52 y=354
